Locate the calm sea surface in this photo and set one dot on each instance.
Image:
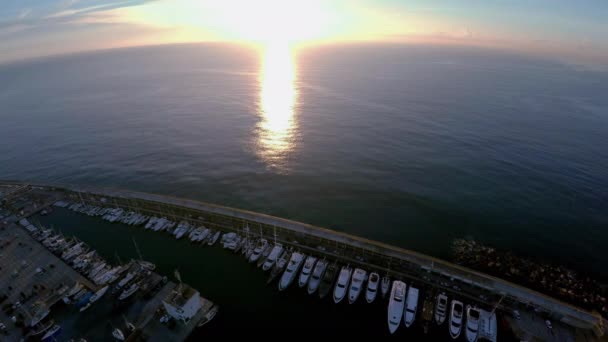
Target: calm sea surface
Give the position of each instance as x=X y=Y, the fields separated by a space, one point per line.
x=410 y=145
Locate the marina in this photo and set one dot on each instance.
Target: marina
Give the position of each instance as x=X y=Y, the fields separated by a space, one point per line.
x=347 y=260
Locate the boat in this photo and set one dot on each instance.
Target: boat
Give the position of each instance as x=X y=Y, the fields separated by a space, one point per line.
x=411 y=306
x=129 y=292
x=385 y=285
x=356 y=284
x=42 y=329
x=456 y=314
x=279 y=266
x=272 y=257
x=372 y=287
x=265 y=254
x=427 y=312
x=328 y=280
x=317 y=274
x=472 y=327
x=441 y=308
x=307 y=270
x=395 y=305
x=95 y=298
x=124 y=281
x=51 y=334
x=214 y=239
x=342 y=283
x=117 y=333
x=257 y=251
x=292 y=270
x=488 y=328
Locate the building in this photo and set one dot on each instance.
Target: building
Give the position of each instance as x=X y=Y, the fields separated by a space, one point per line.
x=183 y=303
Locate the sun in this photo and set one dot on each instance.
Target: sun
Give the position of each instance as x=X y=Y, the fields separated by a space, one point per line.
x=259 y=21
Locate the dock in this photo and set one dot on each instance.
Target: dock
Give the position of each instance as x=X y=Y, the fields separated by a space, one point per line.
x=400 y=263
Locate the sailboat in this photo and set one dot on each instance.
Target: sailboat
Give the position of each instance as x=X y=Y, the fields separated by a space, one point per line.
x=385 y=286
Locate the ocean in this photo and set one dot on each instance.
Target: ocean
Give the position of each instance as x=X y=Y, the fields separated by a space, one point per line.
x=407 y=144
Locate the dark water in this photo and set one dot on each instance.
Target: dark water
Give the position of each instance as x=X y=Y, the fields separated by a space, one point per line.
x=410 y=145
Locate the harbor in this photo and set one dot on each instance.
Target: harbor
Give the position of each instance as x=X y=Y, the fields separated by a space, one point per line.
x=355 y=259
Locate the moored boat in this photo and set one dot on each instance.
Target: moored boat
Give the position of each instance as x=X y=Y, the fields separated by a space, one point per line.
x=472 y=327
x=292 y=270
x=411 y=306
x=307 y=270
x=456 y=314
x=328 y=280
x=385 y=285
x=356 y=284
x=272 y=257
x=317 y=275
x=372 y=287
x=395 y=305
x=342 y=284
x=441 y=308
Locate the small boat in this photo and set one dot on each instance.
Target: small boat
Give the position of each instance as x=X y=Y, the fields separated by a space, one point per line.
x=411 y=306
x=95 y=298
x=265 y=254
x=372 y=287
x=441 y=308
x=257 y=251
x=342 y=284
x=51 y=334
x=214 y=239
x=292 y=270
x=328 y=280
x=129 y=292
x=488 y=327
x=117 y=333
x=306 y=271
x=272 y=257
x=279 y=266
x=124 y=281
x=428 y=307
x=356 y=284
x=456 y=315
x=317 y=274
x=472 y=328
x=395 y=305
x=385 y=285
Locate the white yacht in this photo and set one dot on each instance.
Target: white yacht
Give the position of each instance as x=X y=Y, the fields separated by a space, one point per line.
x=272 y=257
x=151 y=222
x=372 y=287
x=342 y=284
x=257 y=251
x=411 y=306
x=395 y=305
x=456 y=315
x=306 y=271
x=265 y=254
x=472 y=327
x=441 y=308
x=292 y=270
x=356 y=284
x=385 y=285
x=317 y=274
x=195 y=234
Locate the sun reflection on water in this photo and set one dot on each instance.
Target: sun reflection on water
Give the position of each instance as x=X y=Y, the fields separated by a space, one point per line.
x=277 y=128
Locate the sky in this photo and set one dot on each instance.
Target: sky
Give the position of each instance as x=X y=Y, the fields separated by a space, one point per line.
x=565 y=30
